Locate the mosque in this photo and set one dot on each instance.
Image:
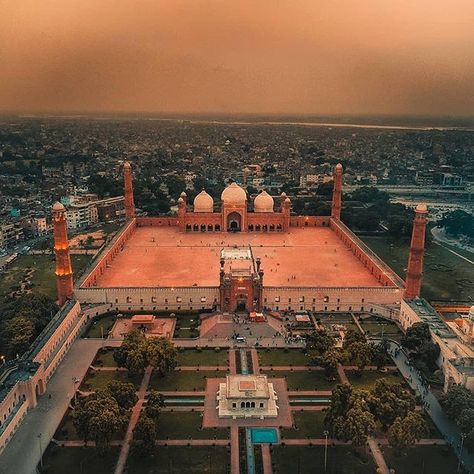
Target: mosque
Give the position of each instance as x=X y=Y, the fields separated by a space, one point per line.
x=238 y=256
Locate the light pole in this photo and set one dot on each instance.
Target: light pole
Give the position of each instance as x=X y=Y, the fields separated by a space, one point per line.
x=74 y=382
x=41 y=451
x=3 y=359
x=460 y=452
x=325 y=433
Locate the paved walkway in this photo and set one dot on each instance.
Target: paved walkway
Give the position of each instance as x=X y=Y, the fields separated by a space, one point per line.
x=266 y=459
x=342 y=375
x=133 y=421
x=232 y=362
x=448 y=429
x=255 y=361
x=192 y=442
x=382 y=467
x=309 y=393
x=22 y=454
x=234 y=450
x=210 y=368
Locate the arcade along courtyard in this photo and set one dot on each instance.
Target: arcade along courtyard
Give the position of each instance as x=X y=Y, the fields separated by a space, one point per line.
x=162 y=256
x=190 y=438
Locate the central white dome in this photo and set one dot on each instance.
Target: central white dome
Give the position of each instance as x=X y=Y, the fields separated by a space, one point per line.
x=263 y=203
x=203 y=202
x=234 y=194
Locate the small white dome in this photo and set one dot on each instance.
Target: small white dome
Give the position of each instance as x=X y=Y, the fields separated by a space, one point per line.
x=203 y=202
x=234 y=194
x=263 y=203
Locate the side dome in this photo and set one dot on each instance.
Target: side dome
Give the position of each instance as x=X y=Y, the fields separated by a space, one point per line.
x=263 y=203
x=203 y=202
x=234 y=194
x=58 y=207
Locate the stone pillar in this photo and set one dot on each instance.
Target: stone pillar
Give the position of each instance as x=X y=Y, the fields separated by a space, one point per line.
x=128 y=191
x=285 y=210
x=417 y=250
x=182 y=211
x=337 y=193
x=64 y=281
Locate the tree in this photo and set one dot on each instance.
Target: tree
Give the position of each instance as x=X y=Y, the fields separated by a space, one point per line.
x=357 y=425
x=330 y=361
x=353 y=335
x=318 y=342
x=124 y=393
x=155 y=402
x=359 y=354
x=379 y=354
x=458 y=223
x=340 y=402
x=161 y=354
x=18 y=333
x=421 y=347
x=466 y=421
x=456 y=400
x=405 y=432
x=144 y=435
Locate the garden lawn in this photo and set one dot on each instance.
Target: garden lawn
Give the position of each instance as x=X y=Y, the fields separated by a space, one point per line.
x=437 y=284
x=185 y=380
x=282 y=357
x=377 y=327
x=100 y=326
x=193 y=357
x=304 y=380
x=182 y=460
x=186 y=425
x=308 y=424
x=59 y=460
x=310 y=460
x=98 y=380
x=368 y=378
x=422 y=459
x=105 y=358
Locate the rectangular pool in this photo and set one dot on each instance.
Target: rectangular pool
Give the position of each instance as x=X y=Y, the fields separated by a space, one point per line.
x=264 y=435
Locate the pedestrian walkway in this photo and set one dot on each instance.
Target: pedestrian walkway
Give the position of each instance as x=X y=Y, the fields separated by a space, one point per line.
x=382 y=467
x=342 y=375
x=266 y=459
x=447 y=428
x=22 y=453
x=232 y=362
x=234 y=450
x=133 y=421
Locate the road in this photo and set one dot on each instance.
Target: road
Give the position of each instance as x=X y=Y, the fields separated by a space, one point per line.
x=22 y=454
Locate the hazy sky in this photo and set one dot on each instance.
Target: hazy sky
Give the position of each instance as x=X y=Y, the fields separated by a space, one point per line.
x=282 y=56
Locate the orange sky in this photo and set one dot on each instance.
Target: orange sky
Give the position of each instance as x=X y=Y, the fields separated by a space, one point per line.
x=262 y=56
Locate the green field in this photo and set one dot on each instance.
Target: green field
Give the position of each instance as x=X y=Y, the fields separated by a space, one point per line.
x=379 y=327
x=99 y=380
x=59 y=460
x=185 y=380
x=308 y=424
x=446 y=276
x=368 y=378
x=182 y=460
x=304 y=380
x=105 y=358
x=282 y=357
x=193 y=357
x=186 y=425
x=429 y=459
x=100 y=326
x=43 y=279
x=310 y=460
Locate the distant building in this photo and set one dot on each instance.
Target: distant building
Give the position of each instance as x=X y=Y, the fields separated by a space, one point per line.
x=10 y=234
x=424 y=178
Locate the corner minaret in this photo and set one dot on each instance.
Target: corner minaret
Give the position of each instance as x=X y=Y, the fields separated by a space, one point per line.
x=417 y=250
x=337 y=193
x=64 y=282
x=128 y=191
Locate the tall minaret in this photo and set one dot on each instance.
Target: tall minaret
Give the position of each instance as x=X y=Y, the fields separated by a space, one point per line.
x=337 y=193
x=417 y=250
x=64 y=281
x=128 y=191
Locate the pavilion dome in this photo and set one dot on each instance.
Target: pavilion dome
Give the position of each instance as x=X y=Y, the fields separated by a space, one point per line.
x=234 y=194
x=203 y=202
x=263 y=203
x=57 y=206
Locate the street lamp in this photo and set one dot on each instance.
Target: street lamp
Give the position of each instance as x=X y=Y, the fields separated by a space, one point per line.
x=41 y=451
x=74 y=382
x=325 y=433
x=460 y=452
x=3 y=359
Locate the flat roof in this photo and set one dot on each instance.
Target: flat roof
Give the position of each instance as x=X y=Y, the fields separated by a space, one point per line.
x=301 y=257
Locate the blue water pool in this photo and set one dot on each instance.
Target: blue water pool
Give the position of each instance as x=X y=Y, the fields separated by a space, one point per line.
x=264 y=435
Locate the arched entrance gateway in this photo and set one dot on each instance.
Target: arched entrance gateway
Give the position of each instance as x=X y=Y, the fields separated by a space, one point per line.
x=234 y=222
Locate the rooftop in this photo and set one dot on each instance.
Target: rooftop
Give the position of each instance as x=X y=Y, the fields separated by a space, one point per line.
x=247 y=386
x=302 y=257
x=429 y=315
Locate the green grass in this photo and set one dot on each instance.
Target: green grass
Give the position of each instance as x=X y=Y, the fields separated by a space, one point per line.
x=376 y=327
x=66 y=429
x=437 y=285
x=182 y=460
x=186 y=425
x=43 y=279
x=304 y=380
x=310 y=460
x=422 y=459
x=280 y=357
x=100 y=325
x=185 y=380
x=105 y=358
x=308 y=424
x=99 y=380
x=368 y=378
x=59 y=460
x=192 y=357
